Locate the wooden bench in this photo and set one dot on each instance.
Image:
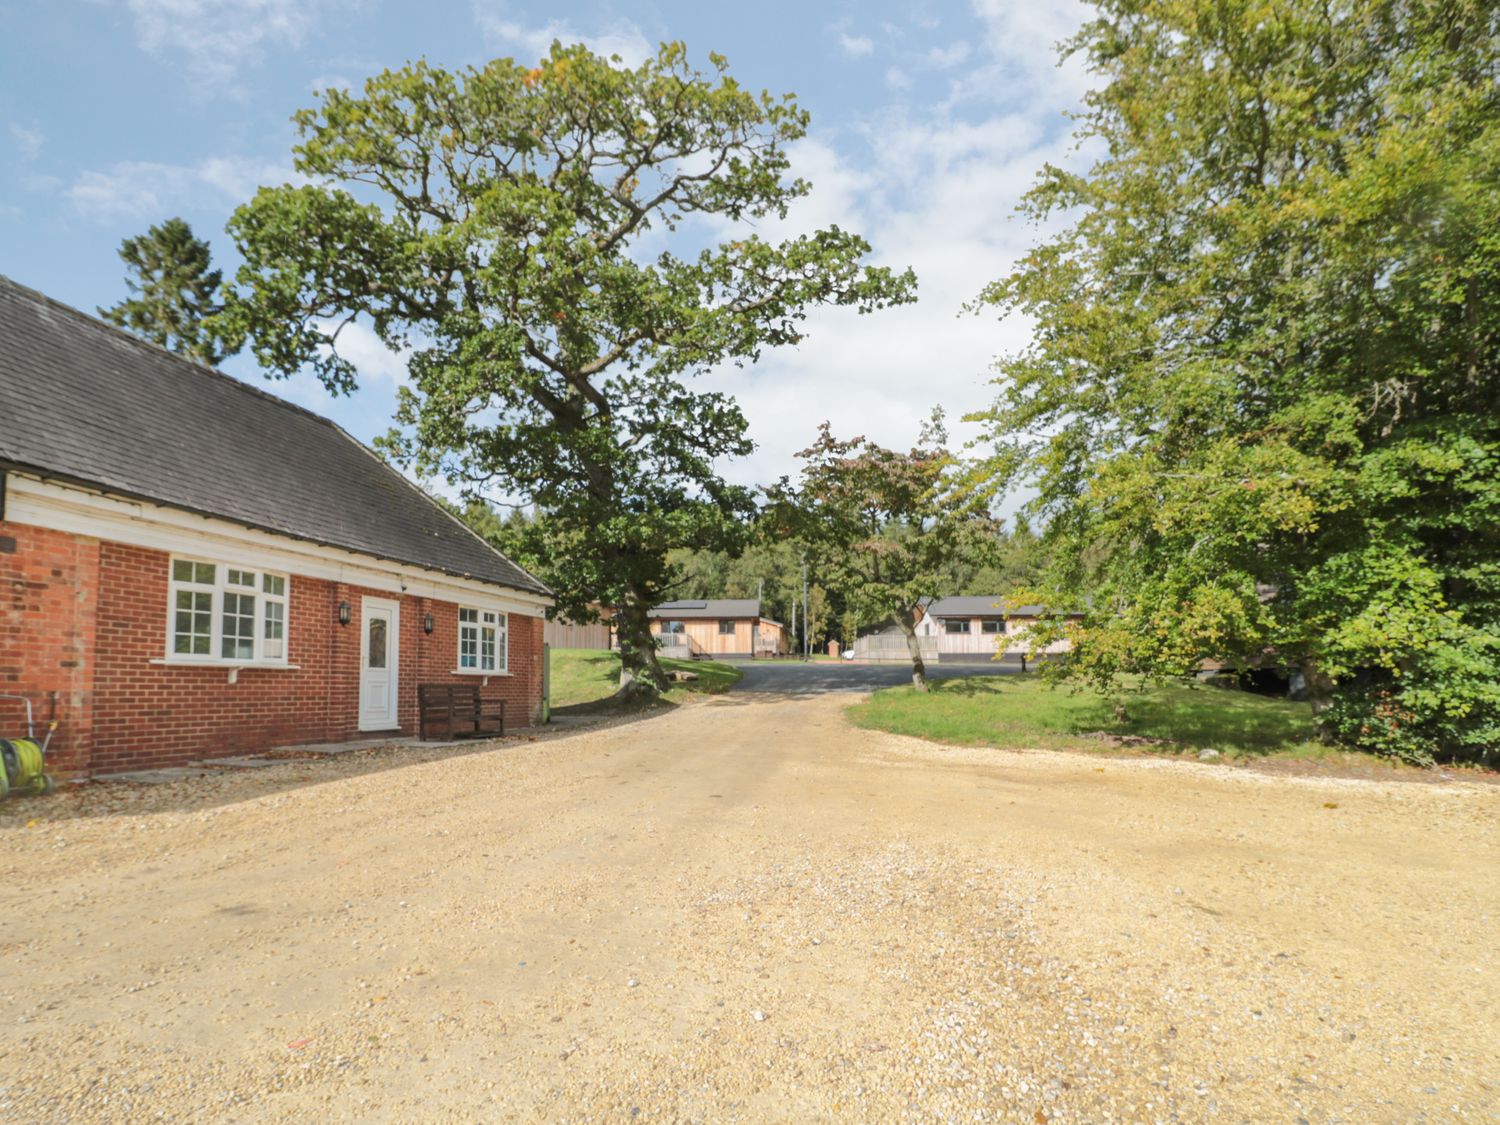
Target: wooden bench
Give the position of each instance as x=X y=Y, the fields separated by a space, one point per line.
x=456 y=711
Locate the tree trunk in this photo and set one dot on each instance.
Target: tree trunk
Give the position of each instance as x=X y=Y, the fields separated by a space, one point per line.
x=641 y=675
x=913 y=646
x=1319 y=694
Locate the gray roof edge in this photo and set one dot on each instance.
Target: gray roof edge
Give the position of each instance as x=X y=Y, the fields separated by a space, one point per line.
x=541 y=587
x=996 y=605
x=104 y=489
x=157 y=352
x=126 y=336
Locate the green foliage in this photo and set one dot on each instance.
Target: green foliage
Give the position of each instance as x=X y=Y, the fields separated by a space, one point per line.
x=173 y=292
x=769 y=567
x=583 y=676
x=1023 y=712
x=521 y=229
x=881 y=526
x=1259 y=409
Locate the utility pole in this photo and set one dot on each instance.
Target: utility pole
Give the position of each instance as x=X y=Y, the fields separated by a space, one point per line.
x=793 y=638
x=806 y=632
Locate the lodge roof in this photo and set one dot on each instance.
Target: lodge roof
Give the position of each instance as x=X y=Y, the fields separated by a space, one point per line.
x=709 y=608
x=88 y=403
x=988 y=605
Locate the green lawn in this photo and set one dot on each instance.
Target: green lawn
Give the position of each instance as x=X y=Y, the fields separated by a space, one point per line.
x=586 y=676
x=1023 y=712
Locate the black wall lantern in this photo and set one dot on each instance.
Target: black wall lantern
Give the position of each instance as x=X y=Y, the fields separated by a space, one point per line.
x=343 y=613
x=427 y=623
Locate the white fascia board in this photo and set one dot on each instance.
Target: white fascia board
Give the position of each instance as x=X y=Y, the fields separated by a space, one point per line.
x=79 y=511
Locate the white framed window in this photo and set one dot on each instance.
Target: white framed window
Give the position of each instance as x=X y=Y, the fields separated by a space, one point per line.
x=954 y=625
x=992 y=625
x=223 y=614
x=482 y=645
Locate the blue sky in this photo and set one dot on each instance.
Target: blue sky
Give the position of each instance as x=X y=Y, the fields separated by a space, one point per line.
x=928 y=121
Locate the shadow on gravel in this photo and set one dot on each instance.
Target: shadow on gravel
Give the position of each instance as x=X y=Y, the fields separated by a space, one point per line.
x=229 y=785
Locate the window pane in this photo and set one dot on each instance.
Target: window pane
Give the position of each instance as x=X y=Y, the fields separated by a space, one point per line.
x=200 y=574
x=468 y=645
x=274 y=584
x=239 y=627
x=487 y=648
x=468 y=615
x=274 y=633
x=956 y=626
x=240 y=578
x=192 y=624
x=377 y=642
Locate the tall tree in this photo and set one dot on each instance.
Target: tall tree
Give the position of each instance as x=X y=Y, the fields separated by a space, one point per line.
x=1259 y=410
x=173 y=291
x=544 y=238
x=882 y=526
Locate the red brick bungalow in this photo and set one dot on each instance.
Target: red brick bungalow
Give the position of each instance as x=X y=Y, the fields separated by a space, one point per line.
x=197 y=568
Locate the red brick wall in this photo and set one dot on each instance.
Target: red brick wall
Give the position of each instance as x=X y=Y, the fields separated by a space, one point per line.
x=48 y=582
x=66 y=592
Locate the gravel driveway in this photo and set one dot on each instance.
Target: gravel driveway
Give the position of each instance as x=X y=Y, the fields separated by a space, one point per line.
x=744 y=910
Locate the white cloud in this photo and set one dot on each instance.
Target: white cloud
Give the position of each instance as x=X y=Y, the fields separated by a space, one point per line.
x=936 y=189
x=325 y=82
x=1022 y=40
x=137 y=189
x=378 y=365
x=857 y=46
x=218 y=36
x=947 y=57
x=28 y=141
x=619 y=37
x=897 y=79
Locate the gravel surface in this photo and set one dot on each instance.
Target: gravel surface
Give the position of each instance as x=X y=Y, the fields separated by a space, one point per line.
x=745 y=910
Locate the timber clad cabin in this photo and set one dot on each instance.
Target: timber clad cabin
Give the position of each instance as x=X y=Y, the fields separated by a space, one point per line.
x=960 y=630
x=191 y=567
x=976 y=628
x=719 y=627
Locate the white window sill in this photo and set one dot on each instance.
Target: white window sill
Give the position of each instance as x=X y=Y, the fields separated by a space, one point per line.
x=233 y=667
x=476 y=672
x=179 y=662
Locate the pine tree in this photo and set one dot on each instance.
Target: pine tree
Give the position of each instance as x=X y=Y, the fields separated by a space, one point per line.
x=172 y=291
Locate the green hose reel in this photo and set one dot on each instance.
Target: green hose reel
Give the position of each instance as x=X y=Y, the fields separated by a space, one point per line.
x=23 y=761
x=22 y=768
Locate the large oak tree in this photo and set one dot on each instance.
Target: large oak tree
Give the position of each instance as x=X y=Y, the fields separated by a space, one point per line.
x=563 y=246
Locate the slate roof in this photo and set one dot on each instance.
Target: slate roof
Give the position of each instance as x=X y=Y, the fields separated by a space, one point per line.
x=991 y=605
x=85 y=402
x=712 y=608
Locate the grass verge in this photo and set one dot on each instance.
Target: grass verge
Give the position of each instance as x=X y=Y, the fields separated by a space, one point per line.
x=584 y=676
x=1023 y=712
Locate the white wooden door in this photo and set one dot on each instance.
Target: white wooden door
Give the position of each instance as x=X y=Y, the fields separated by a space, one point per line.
x=379 y=628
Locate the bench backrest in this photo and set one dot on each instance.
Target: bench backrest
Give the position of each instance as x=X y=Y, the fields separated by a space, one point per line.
x=448 y=695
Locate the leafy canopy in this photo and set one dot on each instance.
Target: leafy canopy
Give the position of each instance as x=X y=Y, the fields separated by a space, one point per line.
x=563 y=247
x=1259 y=409
x=883 y=527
